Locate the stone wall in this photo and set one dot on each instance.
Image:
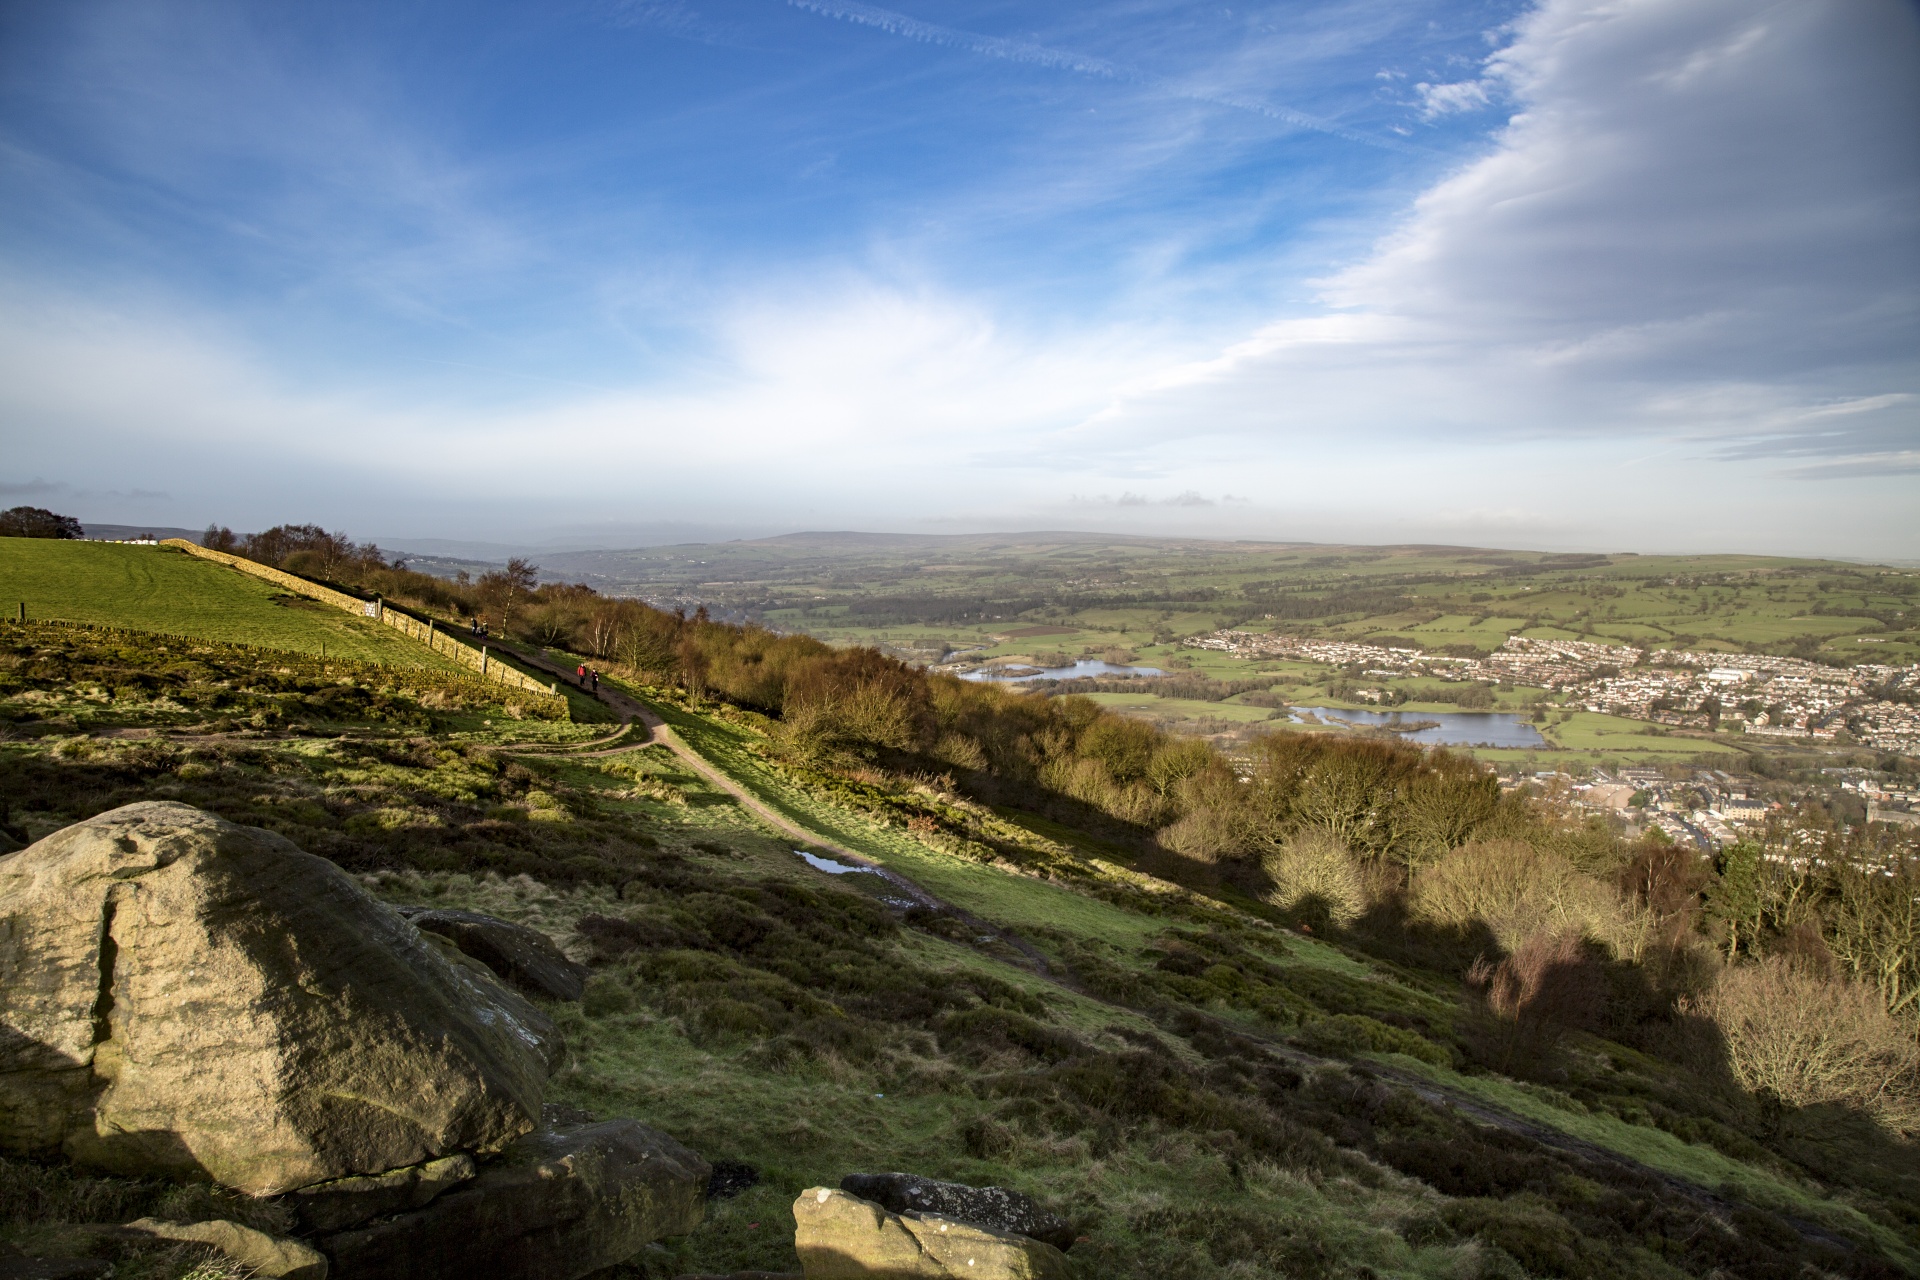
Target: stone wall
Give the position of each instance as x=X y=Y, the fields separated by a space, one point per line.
x=447 y=646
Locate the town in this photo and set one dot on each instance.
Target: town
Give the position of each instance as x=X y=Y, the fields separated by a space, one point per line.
x=1787 y=700
x=1868 y=704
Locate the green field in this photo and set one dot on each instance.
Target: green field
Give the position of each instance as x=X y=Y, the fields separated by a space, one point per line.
x=159 y=589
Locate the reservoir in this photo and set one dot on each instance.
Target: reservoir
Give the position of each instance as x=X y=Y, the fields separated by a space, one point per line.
x=1078 y=671
x=1456 y=728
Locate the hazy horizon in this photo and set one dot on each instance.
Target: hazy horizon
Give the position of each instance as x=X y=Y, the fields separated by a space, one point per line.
x=1641 y=275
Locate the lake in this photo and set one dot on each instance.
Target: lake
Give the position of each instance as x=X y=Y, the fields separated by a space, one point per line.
x=1456 y=728
x=1080 y=670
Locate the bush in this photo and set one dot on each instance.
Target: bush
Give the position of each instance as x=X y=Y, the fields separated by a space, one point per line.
x=1317 y=878
x=1518 y=892
x=1808 y=1039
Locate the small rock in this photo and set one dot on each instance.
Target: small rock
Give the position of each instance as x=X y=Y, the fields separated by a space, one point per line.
x=261 y=1253
x=842 y=1237
x=521 y=957
x=993 y=1207
x=556 y=1205
x=348 y=1202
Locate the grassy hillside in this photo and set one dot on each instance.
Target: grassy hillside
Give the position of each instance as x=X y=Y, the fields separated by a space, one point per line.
x=157 y=589
x=1207 y=1092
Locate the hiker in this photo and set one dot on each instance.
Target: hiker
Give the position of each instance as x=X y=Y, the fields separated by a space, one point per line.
x=596 y=682
x=582 y=673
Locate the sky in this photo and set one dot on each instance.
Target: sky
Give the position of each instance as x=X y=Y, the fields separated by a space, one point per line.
x=1569 y=274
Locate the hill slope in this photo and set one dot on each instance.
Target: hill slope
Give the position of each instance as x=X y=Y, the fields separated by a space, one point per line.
x=1205 y=1094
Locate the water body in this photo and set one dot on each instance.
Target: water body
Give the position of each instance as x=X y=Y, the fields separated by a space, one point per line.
x=832 y=866
x=1081 y=670
x=1456 y=728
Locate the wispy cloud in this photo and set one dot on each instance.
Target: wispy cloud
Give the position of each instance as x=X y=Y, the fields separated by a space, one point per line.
x=1438 y=100
x=899 y=24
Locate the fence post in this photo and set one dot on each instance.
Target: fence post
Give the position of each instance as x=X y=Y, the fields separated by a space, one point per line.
x=23 y=611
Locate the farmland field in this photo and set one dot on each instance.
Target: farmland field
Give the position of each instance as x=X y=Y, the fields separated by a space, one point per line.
x=157 y=589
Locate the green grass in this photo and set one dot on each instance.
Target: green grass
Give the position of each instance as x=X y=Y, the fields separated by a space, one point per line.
x=1594 y=731
x=159 y=589
x=1013 y=901
x=1657 y=1149
x=1176 y=709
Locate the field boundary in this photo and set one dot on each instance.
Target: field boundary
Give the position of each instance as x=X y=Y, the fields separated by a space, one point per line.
x=480 y=659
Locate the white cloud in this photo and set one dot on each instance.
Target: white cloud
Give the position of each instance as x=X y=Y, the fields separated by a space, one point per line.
x=1702 y=221
x=1438 y=100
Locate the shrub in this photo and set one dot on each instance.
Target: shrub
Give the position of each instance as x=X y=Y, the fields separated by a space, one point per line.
x=1517 y=891
x=1350 y=1033
x=1316 y=877
x=1808 y=1039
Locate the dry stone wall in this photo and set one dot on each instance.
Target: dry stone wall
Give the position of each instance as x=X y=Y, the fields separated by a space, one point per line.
x=447 y=646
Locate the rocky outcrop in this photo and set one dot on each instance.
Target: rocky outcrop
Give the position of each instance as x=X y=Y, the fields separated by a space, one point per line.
x=557 y=1204
x=843 y=1237
x=186 y=996
x=523 y=958
x=993 y=1207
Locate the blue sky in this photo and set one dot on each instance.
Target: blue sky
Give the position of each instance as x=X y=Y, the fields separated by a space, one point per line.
x=1607 y=273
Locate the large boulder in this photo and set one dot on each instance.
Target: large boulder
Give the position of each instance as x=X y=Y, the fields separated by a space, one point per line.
x=994 y=1207
x=521 y=957
x=184 y=996
x=562 y=1202
x=842 y=1237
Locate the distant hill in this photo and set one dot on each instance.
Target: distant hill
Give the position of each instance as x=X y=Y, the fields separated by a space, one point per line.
x=122 y=532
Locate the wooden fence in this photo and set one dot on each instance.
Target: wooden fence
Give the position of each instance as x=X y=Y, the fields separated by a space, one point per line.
x=427 y=633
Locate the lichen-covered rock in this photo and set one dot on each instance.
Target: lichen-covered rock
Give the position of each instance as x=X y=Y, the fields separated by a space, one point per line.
x=181 y=995
x=521 y=957
x=557 y=1204
x=842 y=1237
x=994 y=1207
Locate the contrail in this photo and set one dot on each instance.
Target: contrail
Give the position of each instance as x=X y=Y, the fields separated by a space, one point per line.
x=899 y=24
